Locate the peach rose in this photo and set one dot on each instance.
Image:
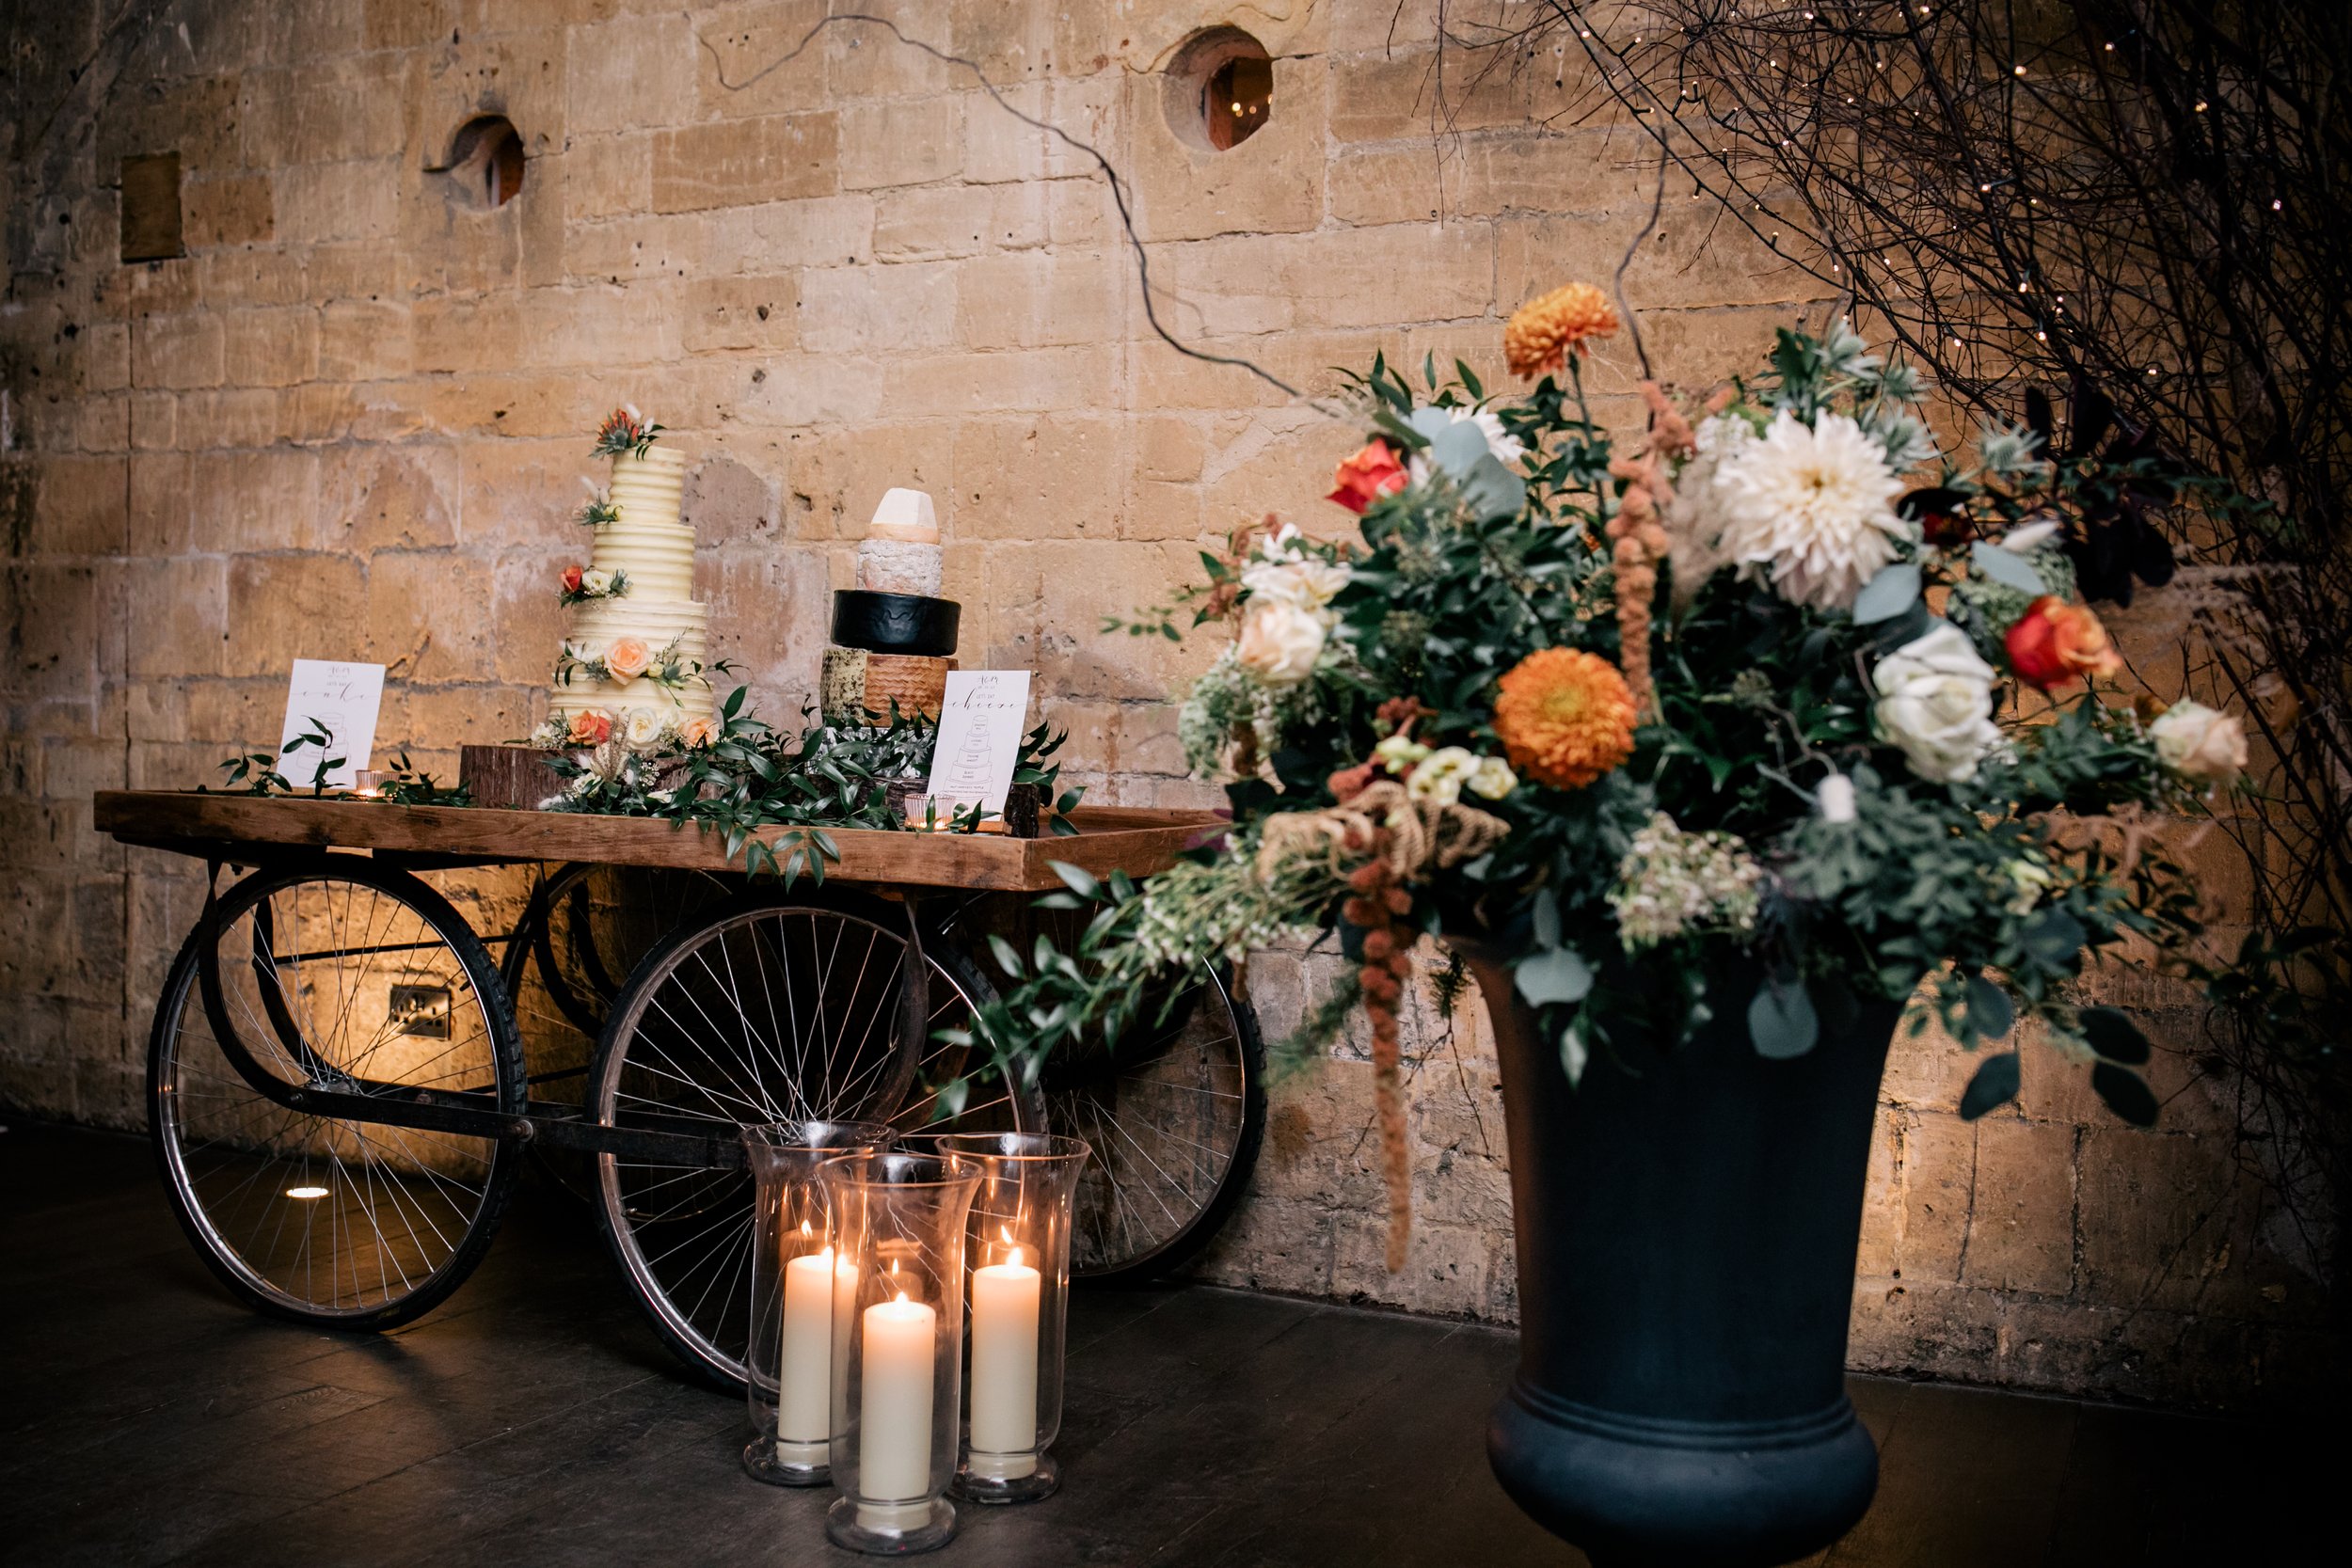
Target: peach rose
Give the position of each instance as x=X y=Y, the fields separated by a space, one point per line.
x=626 y=658
x=571 y=580
x=698 y=731
x=590 y=727
x=2053 y=642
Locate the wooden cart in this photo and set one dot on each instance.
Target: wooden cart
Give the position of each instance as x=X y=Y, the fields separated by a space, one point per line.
x=345 y=1080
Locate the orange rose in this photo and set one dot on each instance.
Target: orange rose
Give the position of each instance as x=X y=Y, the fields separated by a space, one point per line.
x=571 y=580
x=1366 y=477
x=2053 y=642
x=626 y=658
x=590 y=728
x=698 y=731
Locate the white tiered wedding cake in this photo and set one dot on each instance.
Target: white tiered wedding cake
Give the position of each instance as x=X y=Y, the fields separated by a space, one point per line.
x=634 y=665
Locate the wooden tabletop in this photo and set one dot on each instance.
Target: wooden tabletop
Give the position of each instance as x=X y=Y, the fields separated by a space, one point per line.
x=1109 y=838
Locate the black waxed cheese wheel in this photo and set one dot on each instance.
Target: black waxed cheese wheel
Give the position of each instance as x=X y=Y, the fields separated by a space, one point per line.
x=895 y=623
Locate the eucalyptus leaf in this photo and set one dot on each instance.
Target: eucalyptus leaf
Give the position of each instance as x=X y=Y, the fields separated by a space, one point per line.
x=1458 y=448
x=1995 y=1084
x=2114 y=1036
x=1077 y=879
x=2126 y=1092
x=1887 y=594
x=1007 y=955
x=1573 y=1053
x=1545 y=914
x=2007 y=568
x=2054 y=937
x=1781 y=1021
x=1554 y=975
x=1493 y=490
x=1990 y=1013
x=1430 y=423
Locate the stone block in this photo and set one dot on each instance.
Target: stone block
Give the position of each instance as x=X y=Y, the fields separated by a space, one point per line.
x=175 y=352
x=631 y=73
x=741 y=313
x=1038 y=478
x=626 y=248
x=178 y=624
x=821 y=232
x=409 y=626
x=1939 y=1172
x=230 y=417
x=253 y=500
x=50 y=613
x=1041 y=299
x=1015 y=380
x=282 y=607
x=900 y=143
x=464 y=334
x=528 y=621
x=728 y=504
x=320 y=203
x=274 y=347
x=736 y=163
x=2021 y=1228
x=747 y=64
x=405 y=24
x=159 y=503
x=232 y=211
x=452 y=716
x=82 y=506
x=606 y=176
x=375 y=497
x=230 y=278
x=877 y=309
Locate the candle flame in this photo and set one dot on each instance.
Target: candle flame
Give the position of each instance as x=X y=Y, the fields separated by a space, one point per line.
x=804 y=1231
x=902 y=1298
x=1013 y=1257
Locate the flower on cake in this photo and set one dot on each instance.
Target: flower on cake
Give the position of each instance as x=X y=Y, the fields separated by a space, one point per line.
x=590 y=727
x=645 y=728
x=1366 y=476
x=1811 y=508
x=699 y=731
x=626 y=658
x=2053 y=642
x=600 y=509
x=573 y=579
x=582 y=583
x=626 y=433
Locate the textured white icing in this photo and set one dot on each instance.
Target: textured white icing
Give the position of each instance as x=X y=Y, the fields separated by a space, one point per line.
x=656 y=549
x=896 y=566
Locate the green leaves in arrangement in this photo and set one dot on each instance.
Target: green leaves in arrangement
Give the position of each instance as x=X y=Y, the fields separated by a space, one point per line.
x=2007 y=568
x=1887 y=594
x=1780 y=1020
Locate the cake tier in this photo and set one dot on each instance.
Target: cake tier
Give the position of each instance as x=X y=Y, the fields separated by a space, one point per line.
x=656 y=623
x=648 y=542
x=894 y=566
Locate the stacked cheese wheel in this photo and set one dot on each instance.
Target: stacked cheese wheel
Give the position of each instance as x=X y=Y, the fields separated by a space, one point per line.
x=894 y=638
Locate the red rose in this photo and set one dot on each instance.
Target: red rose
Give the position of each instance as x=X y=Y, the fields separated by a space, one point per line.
x=2053 y=642
x=1366 y=477
x=571 y=580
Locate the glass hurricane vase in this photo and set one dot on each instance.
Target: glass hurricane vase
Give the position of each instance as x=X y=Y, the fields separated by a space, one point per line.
x=795 y=1270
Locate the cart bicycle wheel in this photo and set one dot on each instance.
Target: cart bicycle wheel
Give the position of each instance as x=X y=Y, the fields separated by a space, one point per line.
x=332 y=973
x=1175 y=1112
x=583 y=931
x=773 y=1007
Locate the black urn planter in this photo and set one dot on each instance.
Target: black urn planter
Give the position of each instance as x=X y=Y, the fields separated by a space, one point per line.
x=1686 y=1221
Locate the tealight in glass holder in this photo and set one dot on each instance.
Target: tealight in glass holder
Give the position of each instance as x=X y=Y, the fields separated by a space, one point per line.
x=898 y=1223
x=1019 y=1251
x=795 y=1270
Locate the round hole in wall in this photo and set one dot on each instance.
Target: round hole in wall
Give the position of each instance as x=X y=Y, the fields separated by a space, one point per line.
x=1220 y=88
x=485 y=162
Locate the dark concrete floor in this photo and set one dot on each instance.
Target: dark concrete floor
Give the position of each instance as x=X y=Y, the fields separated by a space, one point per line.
x=534 y=1419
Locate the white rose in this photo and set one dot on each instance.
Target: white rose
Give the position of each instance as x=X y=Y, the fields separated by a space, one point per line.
x=1309 y=584
x=1441 y=774
x=1280 y=641
x=1493 y=779
x=595 y=580
x=645 y=727
x=2200 y=743
x=1936 y=701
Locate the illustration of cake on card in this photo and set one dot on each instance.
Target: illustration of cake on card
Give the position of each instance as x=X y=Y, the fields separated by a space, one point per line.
x=633 y=666
x=894 y=638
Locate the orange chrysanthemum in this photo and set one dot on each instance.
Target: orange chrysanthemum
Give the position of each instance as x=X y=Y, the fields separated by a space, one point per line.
x=1565 y=716
x=1542 y=333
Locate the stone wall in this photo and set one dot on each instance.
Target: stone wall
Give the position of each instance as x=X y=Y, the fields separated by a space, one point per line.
x=350 y=422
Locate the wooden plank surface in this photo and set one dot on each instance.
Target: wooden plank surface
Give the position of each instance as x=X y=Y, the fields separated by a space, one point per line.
x=1109 y=839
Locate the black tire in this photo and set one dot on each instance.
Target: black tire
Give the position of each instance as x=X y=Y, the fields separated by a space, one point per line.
x=417 y=1182
x=1211 y=1037
x=680 y=1236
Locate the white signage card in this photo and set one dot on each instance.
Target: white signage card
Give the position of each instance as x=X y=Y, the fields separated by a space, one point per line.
x=981 y=725
x=344 y=698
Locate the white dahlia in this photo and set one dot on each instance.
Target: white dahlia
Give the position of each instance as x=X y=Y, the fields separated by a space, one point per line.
x=1694 y=518
x=1812 y=508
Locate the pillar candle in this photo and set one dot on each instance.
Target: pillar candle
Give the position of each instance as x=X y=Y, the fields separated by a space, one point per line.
x=894 y=1412
x=804 y=1368
x=1003 y=1363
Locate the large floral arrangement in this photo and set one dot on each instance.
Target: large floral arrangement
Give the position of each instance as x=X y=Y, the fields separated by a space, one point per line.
x=1778 y=678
